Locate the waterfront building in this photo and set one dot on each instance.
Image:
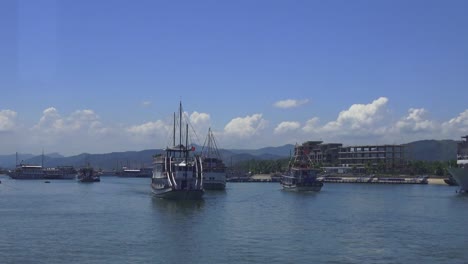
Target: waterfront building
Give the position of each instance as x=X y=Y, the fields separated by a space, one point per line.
x=324 y=154
x=387 y=158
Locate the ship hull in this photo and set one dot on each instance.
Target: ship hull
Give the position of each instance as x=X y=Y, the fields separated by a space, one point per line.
x=173 y=194
x=26 y=177
x=214 y=180
x=89 y=180
x=460 y=175
x=310 y=187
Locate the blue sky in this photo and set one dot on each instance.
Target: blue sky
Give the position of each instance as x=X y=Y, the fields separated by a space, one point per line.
x=100 y=76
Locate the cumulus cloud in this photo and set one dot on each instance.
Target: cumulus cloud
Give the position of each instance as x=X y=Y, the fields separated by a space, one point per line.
x=149 y=128
x=415 y=121
x=199 y=119
x=457 y=126
x=244 y=127
x=290 y=103
x=7 y=120
x=146 y=103
x=79 y=121
x=358 y=117
x=311 y=125
x=287 y=126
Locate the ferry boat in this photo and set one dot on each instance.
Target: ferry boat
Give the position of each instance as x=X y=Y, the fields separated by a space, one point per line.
x=178 y=173
x=301 y=175
x=27 y=172
x=88 y=174
x=460 y=173
x=214 y=170
x=60 y=173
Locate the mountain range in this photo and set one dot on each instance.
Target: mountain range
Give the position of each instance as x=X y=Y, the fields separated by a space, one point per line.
x=425 y=150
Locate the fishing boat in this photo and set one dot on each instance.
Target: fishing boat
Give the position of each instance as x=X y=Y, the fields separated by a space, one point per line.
x=301 y=175
x=88 y=174
x=178 y=172
x=214 y=170
x=460 y=172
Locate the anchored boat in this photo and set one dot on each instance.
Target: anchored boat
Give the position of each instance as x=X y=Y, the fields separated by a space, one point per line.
x=214 y=170
x=178 y=172
x=301 y=175
x=88 y=174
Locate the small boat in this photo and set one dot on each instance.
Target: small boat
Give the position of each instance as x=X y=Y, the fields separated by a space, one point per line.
x=301 y=175
x=178 y=173
x=87 y=174
x=450 y=181
x=214 y=170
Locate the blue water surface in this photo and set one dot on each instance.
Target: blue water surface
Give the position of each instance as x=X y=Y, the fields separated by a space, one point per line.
x=119 y=221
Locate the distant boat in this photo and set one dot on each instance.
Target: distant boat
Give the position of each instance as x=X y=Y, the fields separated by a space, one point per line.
x=135 y=173
x=60 y=173
x=214 y=170
x=301 y=175
x=460 y=173
x=27 y=172
x=178 y=173
x=88 y=174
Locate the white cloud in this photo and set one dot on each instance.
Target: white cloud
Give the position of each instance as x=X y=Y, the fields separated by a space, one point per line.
x=287 y=126
x=244 y=127
x=199 y=119
x=146 y=103
x=290 y=103
x=81 y=120
x=415 y=121
x=311 y=125
x=150 y=128
x=7 y=120
x=369 y=123
x=358 y=117
x=457 y=126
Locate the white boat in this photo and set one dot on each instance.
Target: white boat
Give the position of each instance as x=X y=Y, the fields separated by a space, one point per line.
x=214 y=170
x=178 y=173
x=27 y=172
x=301 y=175
x=460 y=173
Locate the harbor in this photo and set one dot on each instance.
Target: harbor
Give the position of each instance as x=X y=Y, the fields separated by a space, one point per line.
x=119 y=221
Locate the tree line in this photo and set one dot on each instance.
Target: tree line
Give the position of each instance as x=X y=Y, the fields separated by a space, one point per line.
x=417 y=167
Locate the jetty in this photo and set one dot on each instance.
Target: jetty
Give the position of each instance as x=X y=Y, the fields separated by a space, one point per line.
x=374 y=179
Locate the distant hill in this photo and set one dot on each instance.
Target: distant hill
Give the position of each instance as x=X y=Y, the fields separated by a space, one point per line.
x=9 y=161
x=281 y=151
x=136 y=159
x=433 y=150
x=426 y=150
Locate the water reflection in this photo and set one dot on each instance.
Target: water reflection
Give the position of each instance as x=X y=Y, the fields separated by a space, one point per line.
x=185 y=206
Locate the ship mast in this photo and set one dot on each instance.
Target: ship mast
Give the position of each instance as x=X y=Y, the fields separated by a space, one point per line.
x=173 y=138
x=180 y=127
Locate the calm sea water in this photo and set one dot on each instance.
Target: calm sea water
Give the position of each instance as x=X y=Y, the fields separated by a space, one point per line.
x=119 y=221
